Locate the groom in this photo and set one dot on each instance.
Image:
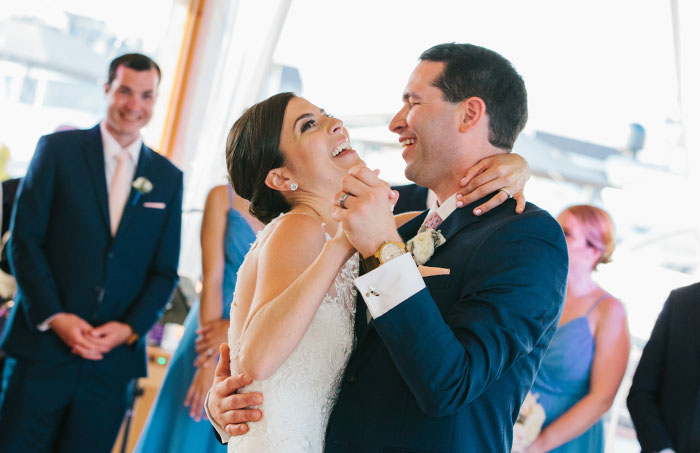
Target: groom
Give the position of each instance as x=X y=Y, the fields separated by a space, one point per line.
x=445 y=360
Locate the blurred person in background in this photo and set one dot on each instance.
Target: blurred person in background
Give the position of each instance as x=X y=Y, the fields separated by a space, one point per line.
x=586 y=361
x=228 y=230
x=94 y=248
x=664 y=400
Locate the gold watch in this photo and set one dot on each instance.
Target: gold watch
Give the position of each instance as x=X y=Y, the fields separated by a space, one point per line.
x=132 y=340
x=387 y=252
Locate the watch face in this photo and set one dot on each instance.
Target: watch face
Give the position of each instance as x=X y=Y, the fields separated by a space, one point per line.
x=389 y=252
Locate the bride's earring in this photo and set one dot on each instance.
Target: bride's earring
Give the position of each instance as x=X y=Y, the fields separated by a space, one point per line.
x=294 y=186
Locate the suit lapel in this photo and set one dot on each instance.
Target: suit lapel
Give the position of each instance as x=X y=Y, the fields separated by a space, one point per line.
x=410 y=228
x=458 y=220
x=142 y=169
x=94 y=156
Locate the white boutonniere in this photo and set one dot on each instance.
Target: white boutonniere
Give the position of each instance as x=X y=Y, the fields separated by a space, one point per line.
x=142 y=186
x=423 y=245
x=529 y=423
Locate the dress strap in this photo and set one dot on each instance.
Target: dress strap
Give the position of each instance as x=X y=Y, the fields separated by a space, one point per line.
x=596 y=303
x=230 y=195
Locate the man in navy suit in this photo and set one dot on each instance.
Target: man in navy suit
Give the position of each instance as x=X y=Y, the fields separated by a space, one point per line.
x=445 y=354
x=664 y=400
x=447 y=359
x=95 y=246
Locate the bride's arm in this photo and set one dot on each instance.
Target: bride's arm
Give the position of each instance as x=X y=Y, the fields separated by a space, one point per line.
x=296 y=267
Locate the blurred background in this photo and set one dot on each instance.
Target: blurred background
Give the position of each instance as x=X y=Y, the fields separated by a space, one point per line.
x=613 y=98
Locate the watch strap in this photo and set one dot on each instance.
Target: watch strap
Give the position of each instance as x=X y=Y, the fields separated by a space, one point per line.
x=370 y=263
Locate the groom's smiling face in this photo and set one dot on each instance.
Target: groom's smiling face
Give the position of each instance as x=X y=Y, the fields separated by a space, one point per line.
x=316 y=147
x=428 y=126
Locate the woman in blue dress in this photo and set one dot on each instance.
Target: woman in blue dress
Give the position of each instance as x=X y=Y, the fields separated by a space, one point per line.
x=586 y=360
x=174 y=424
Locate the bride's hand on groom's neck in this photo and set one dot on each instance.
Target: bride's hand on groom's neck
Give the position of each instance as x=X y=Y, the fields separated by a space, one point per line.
x=366 y=214
x=501 y=173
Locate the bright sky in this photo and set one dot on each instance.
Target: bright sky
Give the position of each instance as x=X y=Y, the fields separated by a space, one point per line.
x=591 y=68
x=124 y=18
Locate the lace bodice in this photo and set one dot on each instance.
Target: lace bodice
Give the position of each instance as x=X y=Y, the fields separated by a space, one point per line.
x=299 y=397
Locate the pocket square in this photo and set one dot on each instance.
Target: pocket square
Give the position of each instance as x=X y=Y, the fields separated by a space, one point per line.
x=154 y=204
x=429 y=271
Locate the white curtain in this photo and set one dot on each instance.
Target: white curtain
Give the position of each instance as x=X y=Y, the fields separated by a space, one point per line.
x=232 y=59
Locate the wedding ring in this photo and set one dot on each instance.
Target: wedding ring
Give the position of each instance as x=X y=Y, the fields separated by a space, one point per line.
x=342 y=199
x=510 y=195
x=210 y=352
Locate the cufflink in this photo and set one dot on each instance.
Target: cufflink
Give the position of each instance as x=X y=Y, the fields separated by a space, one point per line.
x=372 y=292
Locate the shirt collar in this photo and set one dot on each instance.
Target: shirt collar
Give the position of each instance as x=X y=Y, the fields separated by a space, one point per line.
x=446 y=208
x=112 y=147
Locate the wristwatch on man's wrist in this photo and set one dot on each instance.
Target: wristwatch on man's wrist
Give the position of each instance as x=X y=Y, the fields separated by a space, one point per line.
x=133 y=339
x=387 y=252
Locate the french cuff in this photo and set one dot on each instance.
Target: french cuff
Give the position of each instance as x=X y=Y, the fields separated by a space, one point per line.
x=390 y=284
x=46 y=325
x=225 y=437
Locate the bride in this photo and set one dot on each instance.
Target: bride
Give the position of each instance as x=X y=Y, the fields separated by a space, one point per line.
x=293 y=310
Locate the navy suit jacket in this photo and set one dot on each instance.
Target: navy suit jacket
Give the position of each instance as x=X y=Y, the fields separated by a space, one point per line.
x=65 y=259
x=447 y=369
x=412 y=197
x=664 y=400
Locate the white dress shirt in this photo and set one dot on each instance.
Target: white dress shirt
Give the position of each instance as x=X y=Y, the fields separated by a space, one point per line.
x=111 y=147
x=391 y=283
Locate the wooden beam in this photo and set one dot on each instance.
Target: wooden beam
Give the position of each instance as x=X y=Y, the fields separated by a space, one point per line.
x=182 y=75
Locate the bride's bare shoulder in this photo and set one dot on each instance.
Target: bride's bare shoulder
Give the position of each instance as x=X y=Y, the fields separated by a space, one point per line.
x=299 y=234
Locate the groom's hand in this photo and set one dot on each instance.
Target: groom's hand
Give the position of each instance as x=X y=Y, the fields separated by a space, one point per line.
x=366 y=214
x=228 y=409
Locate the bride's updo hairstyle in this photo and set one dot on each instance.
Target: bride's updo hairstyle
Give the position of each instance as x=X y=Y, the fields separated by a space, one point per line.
x=252 y=150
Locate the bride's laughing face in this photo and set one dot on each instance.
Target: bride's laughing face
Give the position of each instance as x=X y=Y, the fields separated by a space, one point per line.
x=316 y=147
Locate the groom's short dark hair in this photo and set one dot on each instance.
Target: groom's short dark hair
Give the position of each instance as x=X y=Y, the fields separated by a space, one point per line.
x=473 y=71
x=135 y=61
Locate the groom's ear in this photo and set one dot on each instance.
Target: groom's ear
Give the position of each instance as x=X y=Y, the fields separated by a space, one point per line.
x=471 y=111
x=277 y=179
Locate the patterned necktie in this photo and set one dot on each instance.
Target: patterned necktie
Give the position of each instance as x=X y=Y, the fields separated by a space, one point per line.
x=432 y=221
x=119 y=189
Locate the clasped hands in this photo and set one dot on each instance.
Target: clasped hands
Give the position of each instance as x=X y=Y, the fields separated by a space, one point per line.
x=365 y=214
x=89 y=342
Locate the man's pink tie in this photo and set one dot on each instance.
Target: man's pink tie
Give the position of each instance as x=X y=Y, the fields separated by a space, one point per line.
x=120 y=189
x=432 y=221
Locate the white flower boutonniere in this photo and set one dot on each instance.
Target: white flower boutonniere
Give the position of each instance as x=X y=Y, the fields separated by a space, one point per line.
x=529 y=423
x=142 y=186
x=423 y=245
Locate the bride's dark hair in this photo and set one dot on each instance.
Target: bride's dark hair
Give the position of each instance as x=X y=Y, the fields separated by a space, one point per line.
x=252 y=150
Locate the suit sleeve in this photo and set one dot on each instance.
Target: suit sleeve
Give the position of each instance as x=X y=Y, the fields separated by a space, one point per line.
x=642 y=400
x=29 y=226
x=508 y=300
x=162 y=278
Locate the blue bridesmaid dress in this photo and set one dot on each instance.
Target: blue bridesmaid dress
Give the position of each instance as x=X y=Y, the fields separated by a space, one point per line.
x=169 y=427
x=564 y=378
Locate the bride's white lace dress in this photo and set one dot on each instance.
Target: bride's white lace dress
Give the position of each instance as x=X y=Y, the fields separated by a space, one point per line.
x=299 y=397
